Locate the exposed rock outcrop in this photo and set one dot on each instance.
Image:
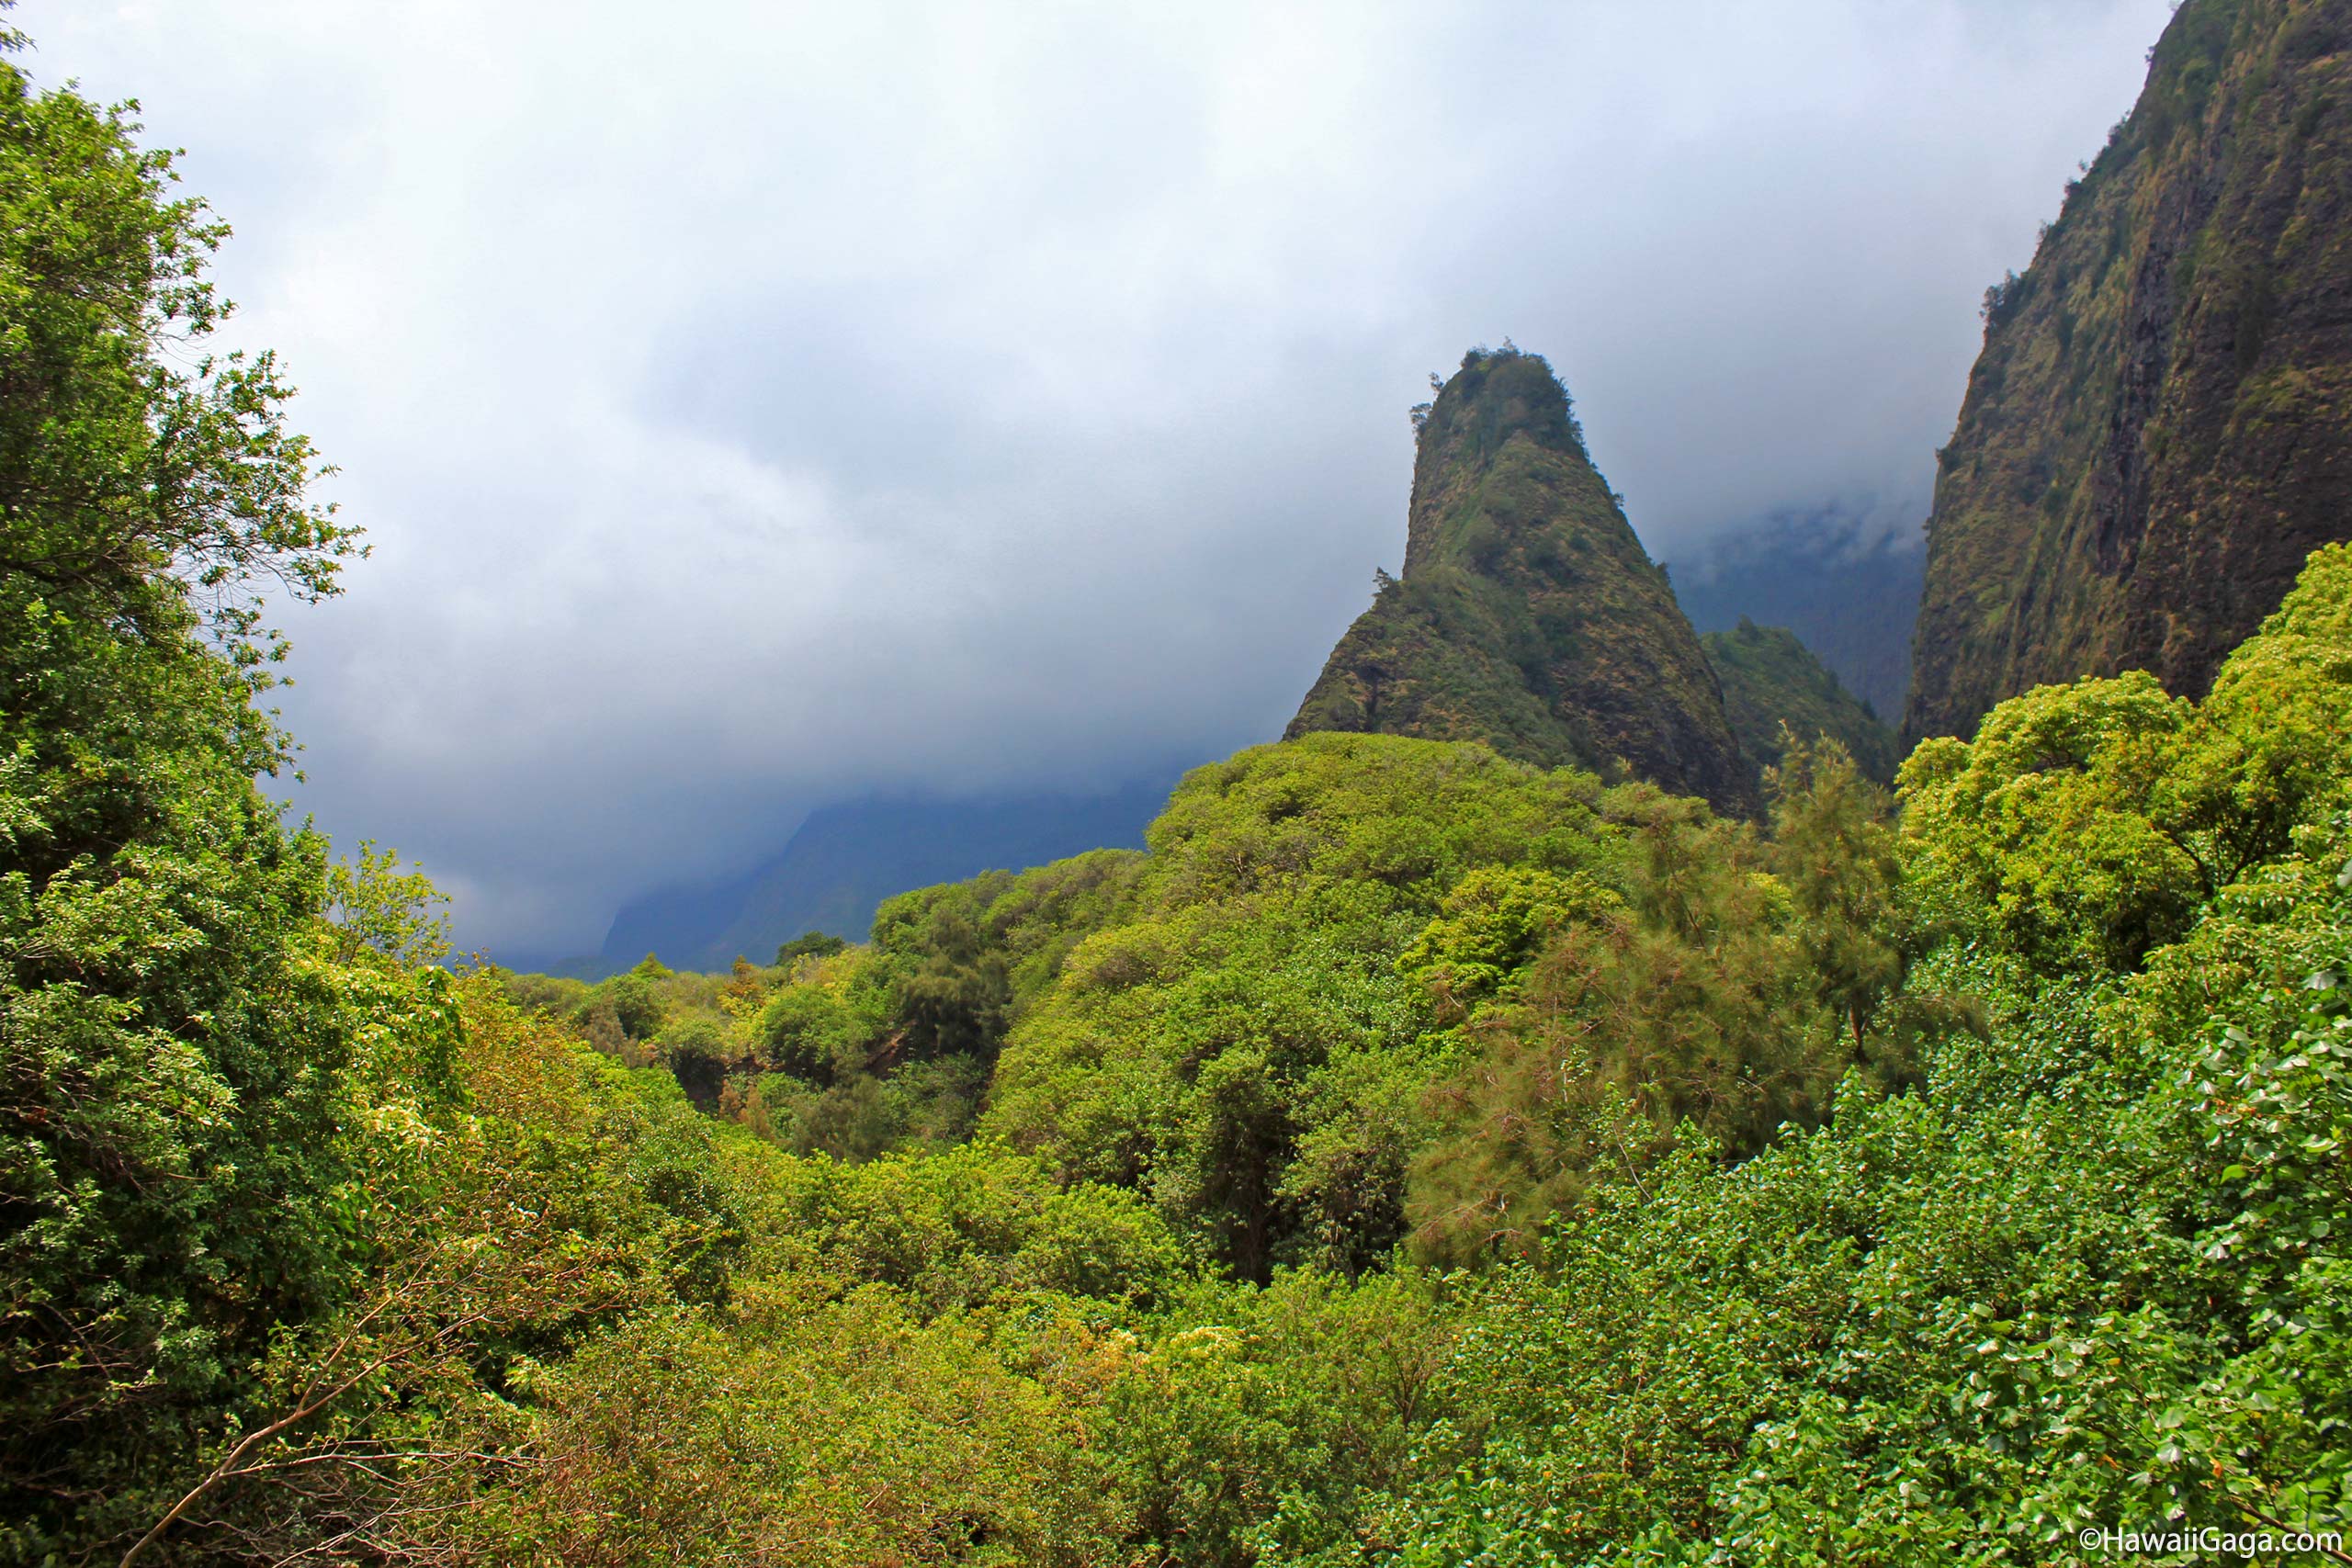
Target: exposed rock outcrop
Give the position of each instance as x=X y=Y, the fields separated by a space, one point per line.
x=2159 y=429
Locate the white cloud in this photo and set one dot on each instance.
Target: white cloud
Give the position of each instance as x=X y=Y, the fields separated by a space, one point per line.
x=751 y=403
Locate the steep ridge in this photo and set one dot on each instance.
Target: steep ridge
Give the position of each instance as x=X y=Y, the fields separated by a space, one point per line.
x=2159 y=429
x=1528 y=615
x=1770 y=679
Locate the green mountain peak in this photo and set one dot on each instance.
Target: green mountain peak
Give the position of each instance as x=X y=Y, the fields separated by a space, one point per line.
x=1528 y=615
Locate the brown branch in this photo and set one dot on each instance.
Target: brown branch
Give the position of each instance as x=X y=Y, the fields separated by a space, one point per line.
x=362 y=1460
x=229 y=1467
x=2260 y=1517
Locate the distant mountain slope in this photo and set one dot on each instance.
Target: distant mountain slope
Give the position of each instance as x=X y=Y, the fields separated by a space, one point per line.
x=1852 y=602
x=1528 y=615
x=1770 y=679
x=847 y=859
x=2159 y=429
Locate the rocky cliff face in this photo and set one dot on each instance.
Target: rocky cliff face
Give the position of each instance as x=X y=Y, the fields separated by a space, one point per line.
x=1528 y=615
x=2159 y=429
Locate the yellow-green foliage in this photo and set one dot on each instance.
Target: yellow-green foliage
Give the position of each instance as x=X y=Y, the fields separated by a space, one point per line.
x=2043 y=828
x=2086 y=824
x=1492 y=924
x=971 y=1226
x=601 y=1328
x=1686 y=999
x=1961 y=1180
x=812 y=1427
x=1832 y=1172
x=1245 y=1048
x=2090 y=1268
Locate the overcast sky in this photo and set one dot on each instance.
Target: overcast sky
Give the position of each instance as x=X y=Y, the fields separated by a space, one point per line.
x=752 y=405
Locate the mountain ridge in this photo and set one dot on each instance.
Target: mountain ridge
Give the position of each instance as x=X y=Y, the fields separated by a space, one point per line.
x=1770 y=679
x=1848 y=590
x=846 y=858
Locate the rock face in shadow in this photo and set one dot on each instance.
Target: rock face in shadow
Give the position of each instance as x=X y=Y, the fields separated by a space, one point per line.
x=2159 y=429
x=1528 y=615
x=1773 y=682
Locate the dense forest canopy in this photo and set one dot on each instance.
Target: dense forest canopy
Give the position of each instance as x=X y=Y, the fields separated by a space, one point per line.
x=1412 y=1157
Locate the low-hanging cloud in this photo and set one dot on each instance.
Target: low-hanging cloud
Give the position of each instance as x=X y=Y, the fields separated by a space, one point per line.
x=751 y=405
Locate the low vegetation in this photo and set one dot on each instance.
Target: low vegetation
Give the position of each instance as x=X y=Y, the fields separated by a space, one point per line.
x=1413 y=1158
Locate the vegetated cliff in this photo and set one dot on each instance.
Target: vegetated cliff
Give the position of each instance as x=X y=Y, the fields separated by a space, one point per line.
x=2159 y=429
x=1528 y=615
x=1770 y=679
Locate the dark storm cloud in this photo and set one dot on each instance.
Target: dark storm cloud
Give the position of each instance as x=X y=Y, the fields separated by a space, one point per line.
x=775 y=403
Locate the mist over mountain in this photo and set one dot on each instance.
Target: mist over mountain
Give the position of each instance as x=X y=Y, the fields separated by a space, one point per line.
x=1847 y=585
x=847 y=858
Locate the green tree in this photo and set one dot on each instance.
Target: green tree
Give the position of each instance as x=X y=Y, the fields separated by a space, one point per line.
x=809 y=945
x=1834 y=849
x=178 y=1041
x=140 y=477
x=813 y=1034
x=631 y=1000
x=1685 y=999
x=2086 y=824
x=378 y=907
